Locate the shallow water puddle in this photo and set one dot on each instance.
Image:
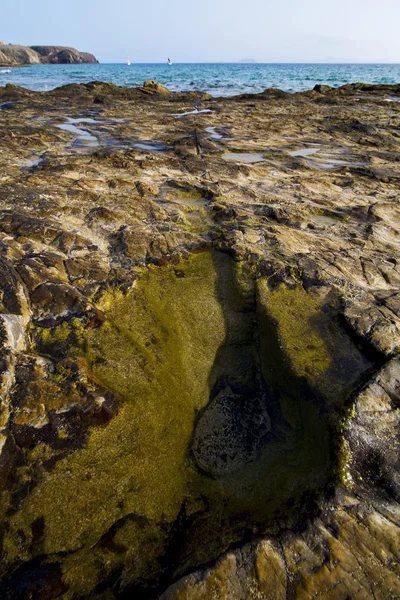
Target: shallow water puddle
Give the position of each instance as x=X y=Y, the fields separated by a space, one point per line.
x=30 y=163
x=336 y=161
x=150 y=146
x=304 y=152
x=7 y=105
x=213 y=135
x=192 y=112
x=220 y=414
x=84 y=137
x=36 y=161
x=246 y=157
x=324 y=220
x=87 y=139
x=323 y=161
x=326 y=162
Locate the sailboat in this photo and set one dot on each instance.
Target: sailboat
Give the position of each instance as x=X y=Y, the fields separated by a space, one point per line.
x=128 y=62
x=169 y=61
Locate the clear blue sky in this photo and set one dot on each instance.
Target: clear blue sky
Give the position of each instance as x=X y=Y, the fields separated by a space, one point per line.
x=210 y=30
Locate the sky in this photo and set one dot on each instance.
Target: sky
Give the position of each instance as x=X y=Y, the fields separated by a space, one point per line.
x=210 y=30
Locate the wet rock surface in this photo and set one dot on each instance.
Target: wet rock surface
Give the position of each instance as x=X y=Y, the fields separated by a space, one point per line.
x=199 y=326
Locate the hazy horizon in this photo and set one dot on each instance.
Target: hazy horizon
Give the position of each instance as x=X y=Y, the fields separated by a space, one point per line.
x=360 y=32
x=255 y=62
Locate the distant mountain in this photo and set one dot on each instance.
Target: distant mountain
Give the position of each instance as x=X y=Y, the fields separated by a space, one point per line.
x=247 y=60
x=15 y=55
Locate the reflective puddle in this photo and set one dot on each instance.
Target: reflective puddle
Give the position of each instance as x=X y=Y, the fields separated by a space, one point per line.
x=192 y=112
x=36 y=161
x=304 y=152
x=324 y=220
x=246 y=157
x=148 y=146
x=84 y=137
x=212 y=134
x=7 y=105
x=87 y=139
x=324 y=161
x=32 y=162
x=328 y=161
x=215 y=135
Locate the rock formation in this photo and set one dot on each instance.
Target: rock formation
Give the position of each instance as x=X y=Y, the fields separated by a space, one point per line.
x=15 y=55
x=154 y=87
x=200 y=337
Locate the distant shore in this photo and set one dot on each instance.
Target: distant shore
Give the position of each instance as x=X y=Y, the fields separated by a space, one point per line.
x=15 y=55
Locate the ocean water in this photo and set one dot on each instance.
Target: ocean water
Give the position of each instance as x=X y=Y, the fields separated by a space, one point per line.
x=219 y=79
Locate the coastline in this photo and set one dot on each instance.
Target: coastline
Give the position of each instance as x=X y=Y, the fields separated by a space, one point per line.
x=217 y=79
x=16 y=54
x=200 y=332
x=323 y=89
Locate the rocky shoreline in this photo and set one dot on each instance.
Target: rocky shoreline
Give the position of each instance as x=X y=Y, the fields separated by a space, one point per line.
x=200 y=326
x=15 y=55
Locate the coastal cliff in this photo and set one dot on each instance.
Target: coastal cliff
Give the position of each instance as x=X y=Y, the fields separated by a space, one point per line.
x=16 y=55
x=199 y=344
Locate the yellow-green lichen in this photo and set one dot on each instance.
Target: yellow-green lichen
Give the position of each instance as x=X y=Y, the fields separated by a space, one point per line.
x=293 y=310
x=318 y=348
x=156 y=349
x=343 y=463
x=182 y=329
x=70 y=335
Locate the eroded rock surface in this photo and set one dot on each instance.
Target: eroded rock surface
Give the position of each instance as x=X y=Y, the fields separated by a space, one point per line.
x=199 y=362
x=15 y=54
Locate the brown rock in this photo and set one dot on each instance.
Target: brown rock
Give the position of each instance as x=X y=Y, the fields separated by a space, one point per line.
x=154 y=87
x=322 y=89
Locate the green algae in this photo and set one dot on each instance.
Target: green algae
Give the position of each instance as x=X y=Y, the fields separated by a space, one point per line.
x=318 y=348
x=116 y=503
x=343 y=463
x=297 y=458
x=68 y=338
x=325 y=368
x=293 y=310
x=156 y=349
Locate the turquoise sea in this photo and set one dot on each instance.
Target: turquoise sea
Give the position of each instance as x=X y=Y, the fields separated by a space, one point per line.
x=219 y=79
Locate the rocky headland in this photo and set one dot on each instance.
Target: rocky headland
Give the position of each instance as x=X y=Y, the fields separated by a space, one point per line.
x=200 y=338
x=14 y=55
